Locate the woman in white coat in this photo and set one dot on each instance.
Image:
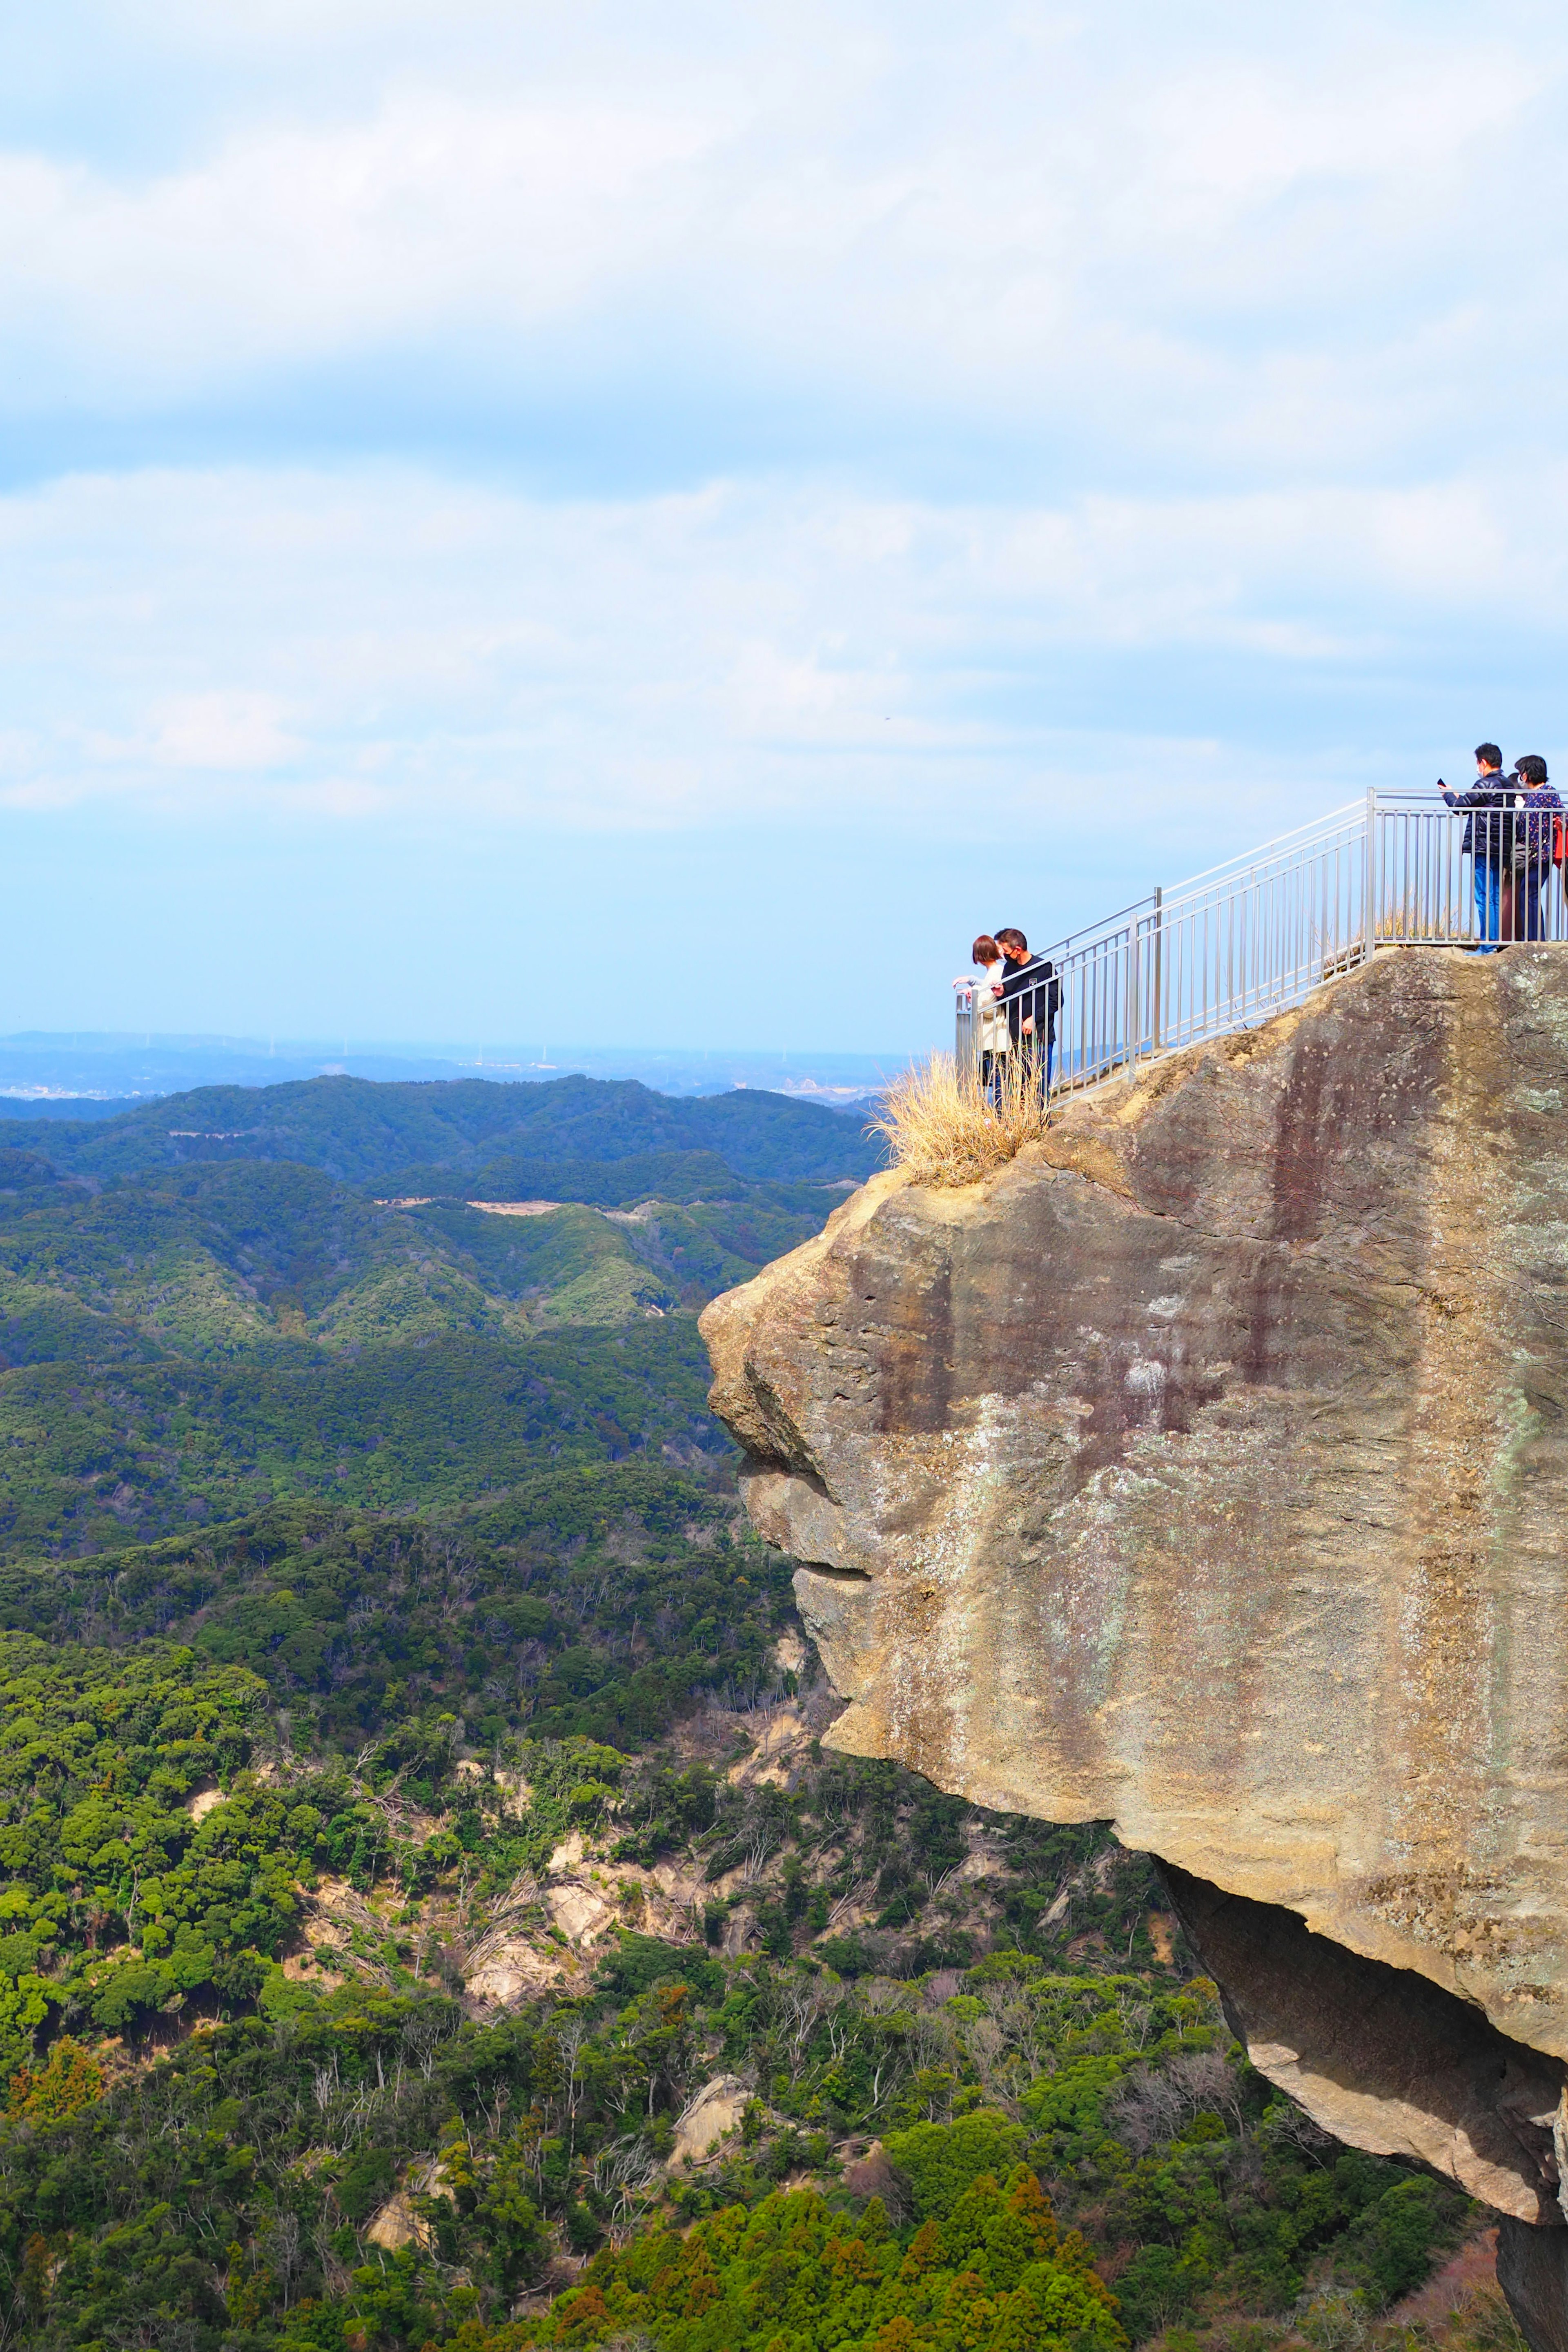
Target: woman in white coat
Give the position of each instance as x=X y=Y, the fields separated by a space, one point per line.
x=991 y=1038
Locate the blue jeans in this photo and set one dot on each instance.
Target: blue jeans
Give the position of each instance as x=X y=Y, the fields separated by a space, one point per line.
x=1489 y=911
x=1034 y=1065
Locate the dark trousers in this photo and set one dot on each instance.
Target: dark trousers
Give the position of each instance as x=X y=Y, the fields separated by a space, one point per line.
x=993 y=1069
x=1522 y=915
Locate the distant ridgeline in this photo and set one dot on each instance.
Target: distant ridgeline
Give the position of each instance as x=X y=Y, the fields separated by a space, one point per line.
x=358 y=1131
x=213 y=1302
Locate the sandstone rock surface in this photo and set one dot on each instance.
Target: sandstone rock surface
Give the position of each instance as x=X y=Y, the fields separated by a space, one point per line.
x=710 y=2116
x=1205 y=1470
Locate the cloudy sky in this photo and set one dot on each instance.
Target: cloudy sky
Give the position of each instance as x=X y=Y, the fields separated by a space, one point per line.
x=553 y=517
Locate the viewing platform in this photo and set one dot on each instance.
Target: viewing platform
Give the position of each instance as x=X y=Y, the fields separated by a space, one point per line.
x=1230 y=948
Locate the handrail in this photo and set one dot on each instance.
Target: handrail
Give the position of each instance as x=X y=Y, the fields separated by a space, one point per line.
x=1213 y=874
x=1255 y=933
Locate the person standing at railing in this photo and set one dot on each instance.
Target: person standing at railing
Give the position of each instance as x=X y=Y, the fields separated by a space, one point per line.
x=1537 y=846
x=990 y=1038
x=1488 y=839
x=1032 y=995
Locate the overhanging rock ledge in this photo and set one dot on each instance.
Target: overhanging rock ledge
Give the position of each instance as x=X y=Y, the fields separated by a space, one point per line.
x=1205 y=1470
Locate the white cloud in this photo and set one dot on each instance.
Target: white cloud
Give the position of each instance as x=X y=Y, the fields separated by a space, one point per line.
x=1261 y=241
x=1242 y=288
x=391 y=646
x=222 y=731
x=299 y=245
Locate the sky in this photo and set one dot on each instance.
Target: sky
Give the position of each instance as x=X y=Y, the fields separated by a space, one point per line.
x=652 y=526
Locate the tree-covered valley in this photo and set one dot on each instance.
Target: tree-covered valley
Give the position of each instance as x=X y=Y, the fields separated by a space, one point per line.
x=429 y=1915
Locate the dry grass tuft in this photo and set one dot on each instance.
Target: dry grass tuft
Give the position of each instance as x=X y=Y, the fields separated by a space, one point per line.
x=941 y=1130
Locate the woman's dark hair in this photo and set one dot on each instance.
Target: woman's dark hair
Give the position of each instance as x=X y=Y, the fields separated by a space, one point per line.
x=1532 y=768
x=1488 y=755
x=985 y=951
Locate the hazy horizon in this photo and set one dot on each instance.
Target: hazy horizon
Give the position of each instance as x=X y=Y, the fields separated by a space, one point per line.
x=43 y=1068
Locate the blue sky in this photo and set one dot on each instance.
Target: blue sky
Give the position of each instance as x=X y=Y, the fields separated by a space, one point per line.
x=678 y=515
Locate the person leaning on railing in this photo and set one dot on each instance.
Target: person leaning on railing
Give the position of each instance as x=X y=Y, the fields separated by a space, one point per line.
x=1489 y=838
x=989 y=1036
x=1537 y=847
x=1032 y=995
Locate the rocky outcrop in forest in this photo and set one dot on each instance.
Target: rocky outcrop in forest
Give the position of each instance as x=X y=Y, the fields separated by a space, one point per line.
x=1204 y=1470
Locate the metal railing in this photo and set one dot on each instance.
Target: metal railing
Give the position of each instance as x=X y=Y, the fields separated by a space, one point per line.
x=1256 y=935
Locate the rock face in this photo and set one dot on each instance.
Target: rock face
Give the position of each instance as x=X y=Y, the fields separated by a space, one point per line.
x=710 y=2116
x=1205 y=1470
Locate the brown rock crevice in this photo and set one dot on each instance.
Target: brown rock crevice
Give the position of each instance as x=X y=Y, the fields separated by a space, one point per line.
x=1383 y=2058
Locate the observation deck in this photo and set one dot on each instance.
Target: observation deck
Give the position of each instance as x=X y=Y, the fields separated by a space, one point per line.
x=1255 y=935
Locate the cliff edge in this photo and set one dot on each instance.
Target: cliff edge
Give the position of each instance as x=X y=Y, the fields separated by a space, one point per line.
x=1205 y=1470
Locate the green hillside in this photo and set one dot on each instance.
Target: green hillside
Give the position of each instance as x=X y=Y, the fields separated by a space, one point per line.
x=304 y=1838
x=358 y=1131
x=335 y=1608
x=246 y=1259
x=413 y=1814
x=193 y=1343
x=96 y=1460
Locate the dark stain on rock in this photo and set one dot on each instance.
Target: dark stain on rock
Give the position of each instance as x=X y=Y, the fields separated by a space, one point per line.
x=1302 y=1145
x=911 y=1337
x=1348 y=1088
x=1268 y=1321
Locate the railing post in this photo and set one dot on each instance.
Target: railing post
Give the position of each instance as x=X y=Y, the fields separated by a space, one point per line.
x=1156 y=1024
x=1134 y=1009
x=1369 y=877
x=963 y=1030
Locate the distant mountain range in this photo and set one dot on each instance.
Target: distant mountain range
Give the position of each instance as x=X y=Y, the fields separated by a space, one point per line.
x=512 y=1141
x=45 y=1073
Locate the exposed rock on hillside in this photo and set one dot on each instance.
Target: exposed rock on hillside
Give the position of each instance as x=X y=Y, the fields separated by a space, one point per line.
x=1205 y=1470
x=708 y=2118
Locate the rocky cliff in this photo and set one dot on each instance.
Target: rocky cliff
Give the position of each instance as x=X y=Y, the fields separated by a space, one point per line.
x=1205 y=1470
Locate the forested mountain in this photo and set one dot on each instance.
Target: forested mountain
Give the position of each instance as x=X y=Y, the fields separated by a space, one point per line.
x=192 y=1343
x=358 y=1131
x=428 y=1914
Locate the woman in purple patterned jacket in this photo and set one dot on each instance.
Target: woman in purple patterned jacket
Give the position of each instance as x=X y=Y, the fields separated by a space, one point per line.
x=1537 y=845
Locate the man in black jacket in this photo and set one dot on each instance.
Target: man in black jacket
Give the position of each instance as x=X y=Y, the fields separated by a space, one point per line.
x=1031 y=992
x=1489 y=838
